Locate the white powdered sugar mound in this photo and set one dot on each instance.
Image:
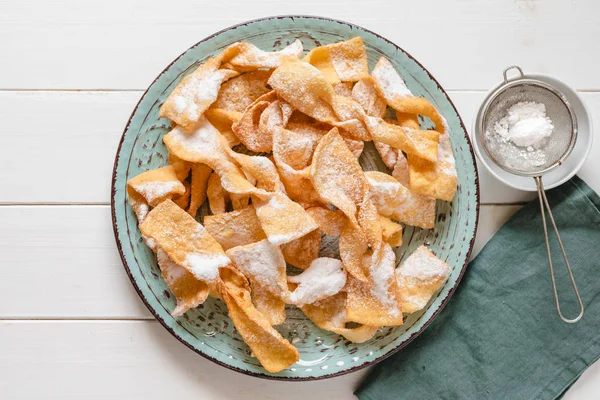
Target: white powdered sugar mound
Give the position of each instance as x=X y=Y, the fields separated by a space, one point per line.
x=324 y=277
x=525 y=124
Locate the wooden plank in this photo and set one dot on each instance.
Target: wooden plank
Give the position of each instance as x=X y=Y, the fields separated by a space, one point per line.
x=141 y=360
x=130 y=360
x=66 y=152
x=124 y=45
x=62 y=262
x=60 y=147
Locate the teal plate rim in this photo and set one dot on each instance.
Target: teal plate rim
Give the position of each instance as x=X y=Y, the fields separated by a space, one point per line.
x=266 y=375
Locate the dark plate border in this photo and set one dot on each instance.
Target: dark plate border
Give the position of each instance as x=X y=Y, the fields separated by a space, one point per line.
x=285 y=378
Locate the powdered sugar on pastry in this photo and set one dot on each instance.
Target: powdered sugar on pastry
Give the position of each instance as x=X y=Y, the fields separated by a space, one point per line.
x=419 y=277
x=349 y=59
x=184 y=240
x=195 y=93
x=389 y=155
x=171 y=271
x=340 y=318
x=155 y=190
x=263 y=263
x=202 y=143
x=275 y=203
x=337 y=175
x=365 y=93
x=422 y=264
x=395 y=201
x=438 y=179
x=251 y=57
x=208 y=89
x=152 y=187
x=400 y=171
x=283 y=220
x=188 y=291
x=323 y=278
x=139 y=207
x=205 y=267
x=388 y=81
x=446 y=163
x=201 y=92
x=151 y=243
x=382 y=276
x=179 y=104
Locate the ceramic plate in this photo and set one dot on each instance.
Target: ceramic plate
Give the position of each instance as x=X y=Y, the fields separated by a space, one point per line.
x=208 y=330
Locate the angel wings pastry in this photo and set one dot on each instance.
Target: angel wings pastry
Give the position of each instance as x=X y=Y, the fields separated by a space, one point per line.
x=271 y=141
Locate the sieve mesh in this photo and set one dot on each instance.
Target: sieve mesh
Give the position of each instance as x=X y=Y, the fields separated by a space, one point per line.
x=551 y=151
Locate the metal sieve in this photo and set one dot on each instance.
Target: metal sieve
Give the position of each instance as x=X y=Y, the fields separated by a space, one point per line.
x=532 y=162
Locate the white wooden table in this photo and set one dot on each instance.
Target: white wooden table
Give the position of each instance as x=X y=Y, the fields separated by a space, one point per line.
x=71 y=325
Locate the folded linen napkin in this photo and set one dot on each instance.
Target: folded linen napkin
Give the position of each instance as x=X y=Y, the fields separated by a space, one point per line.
x=499 y=336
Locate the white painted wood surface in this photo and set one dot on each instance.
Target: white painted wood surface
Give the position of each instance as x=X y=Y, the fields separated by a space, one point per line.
x=73 y=248
x=71 y=325
x=53 y=150
x=116 y=44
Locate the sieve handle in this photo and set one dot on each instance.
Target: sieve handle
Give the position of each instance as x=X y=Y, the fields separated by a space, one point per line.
x=512 y=67
x=545 y=206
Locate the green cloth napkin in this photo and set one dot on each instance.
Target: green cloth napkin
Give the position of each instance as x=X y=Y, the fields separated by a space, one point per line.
x=499 y=336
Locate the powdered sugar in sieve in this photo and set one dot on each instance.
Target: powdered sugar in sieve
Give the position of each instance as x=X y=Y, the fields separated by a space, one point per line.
x=550 y=151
